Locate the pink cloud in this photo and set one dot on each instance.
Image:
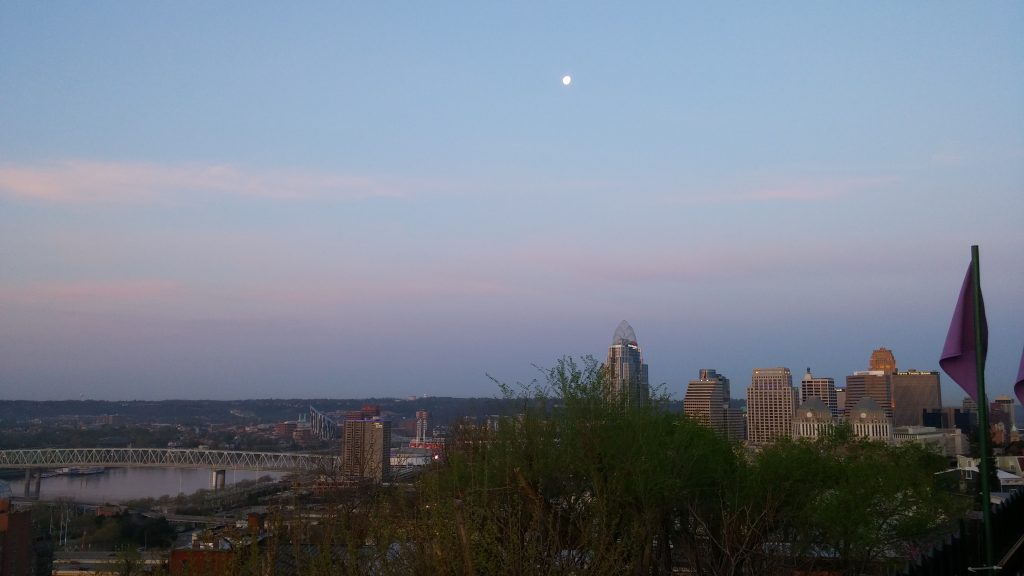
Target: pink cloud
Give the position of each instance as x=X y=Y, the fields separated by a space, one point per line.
x=86 y=292
x=706 y=263
x=89 y=181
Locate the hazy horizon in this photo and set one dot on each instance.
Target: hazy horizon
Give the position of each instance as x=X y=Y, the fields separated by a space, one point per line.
x=233 y=200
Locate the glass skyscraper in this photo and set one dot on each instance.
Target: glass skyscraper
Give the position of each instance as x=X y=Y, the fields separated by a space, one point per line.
x=626 y=372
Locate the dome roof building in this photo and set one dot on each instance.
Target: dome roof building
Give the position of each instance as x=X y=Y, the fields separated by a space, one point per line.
x=812 y=419
x=870 y=421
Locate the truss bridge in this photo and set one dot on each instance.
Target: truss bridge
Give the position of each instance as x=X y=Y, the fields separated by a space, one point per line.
x=33 y=461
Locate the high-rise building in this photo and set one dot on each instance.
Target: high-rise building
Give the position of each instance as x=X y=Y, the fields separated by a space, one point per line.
x=914 y=392
x=874 y=384
x=1005 y=405
x=707 y=400
x=951 y=417
x=626 y=371
x=969 y=405
x=422 y=425
x=882 y=360
x=366 y=445
x=823 y=388
x=1000 y=419
x=735 y=423
x=841 y=400
x=771 y=402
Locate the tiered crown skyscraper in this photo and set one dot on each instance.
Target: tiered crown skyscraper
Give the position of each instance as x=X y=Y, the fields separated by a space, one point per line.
x=882 y=359
x=627 y=373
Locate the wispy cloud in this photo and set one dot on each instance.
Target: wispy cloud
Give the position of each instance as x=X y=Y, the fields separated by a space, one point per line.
x=88 y=292
x=789 y=189
x=810 y=188
x=85 y=181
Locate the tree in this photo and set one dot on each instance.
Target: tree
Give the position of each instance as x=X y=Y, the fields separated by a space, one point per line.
x=129 y=562
x=574 y=483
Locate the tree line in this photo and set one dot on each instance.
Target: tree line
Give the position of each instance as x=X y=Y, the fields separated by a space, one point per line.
x=577 y=484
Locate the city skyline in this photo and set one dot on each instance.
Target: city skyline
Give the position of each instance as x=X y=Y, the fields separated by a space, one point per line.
x=205 y=201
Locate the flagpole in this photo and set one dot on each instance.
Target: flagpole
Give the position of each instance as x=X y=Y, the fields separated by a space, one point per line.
x=983 y=432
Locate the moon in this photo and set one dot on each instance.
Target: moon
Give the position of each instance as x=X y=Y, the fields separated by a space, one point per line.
x=566 y=80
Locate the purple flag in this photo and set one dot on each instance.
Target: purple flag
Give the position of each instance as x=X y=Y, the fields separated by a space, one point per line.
x=958 y=354
x=1018 y=388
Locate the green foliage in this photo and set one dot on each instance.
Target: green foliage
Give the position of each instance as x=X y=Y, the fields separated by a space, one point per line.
x=576 y=484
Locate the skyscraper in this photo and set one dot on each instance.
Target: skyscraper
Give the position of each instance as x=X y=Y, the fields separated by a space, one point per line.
x=707 y=399
x=735 y=423
x=422 y=425
x=883 y=360
x=822 y=388
x=366 y=445
x=771 y=402
x=1006 y=405
x=626 y=371
x=874 y=384
x=913 y=392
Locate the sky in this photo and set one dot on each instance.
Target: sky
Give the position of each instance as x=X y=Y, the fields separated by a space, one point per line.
x=333 y=200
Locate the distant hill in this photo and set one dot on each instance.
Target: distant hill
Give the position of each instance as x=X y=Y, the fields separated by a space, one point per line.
x=443 y=410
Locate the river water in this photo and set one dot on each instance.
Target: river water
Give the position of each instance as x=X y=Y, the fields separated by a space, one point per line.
x=122 y=484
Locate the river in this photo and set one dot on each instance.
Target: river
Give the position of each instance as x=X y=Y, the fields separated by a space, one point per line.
x=117 y=485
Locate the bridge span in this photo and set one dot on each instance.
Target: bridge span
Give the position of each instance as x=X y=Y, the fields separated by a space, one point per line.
x=168 y=458
x=34 y=460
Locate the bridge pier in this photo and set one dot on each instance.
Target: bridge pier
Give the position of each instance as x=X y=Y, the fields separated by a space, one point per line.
x=30 y=475
x=217 y=478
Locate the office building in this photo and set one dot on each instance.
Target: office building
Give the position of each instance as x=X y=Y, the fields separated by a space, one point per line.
x=822 y=388
x=626 y=371
x=771 y=402
x=366 y=445
x=1000 y=420
x=874 y=384
x=422 y=425
x=882 y=360
x=969 y=405
x=285 y=430
x=913 y=393
x=949 y=417
x=869 y=420
x=841 y=401
x=813 y=419
x=948 y=442
x=1005 y=405
x=707 y=399
x=735 y=423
